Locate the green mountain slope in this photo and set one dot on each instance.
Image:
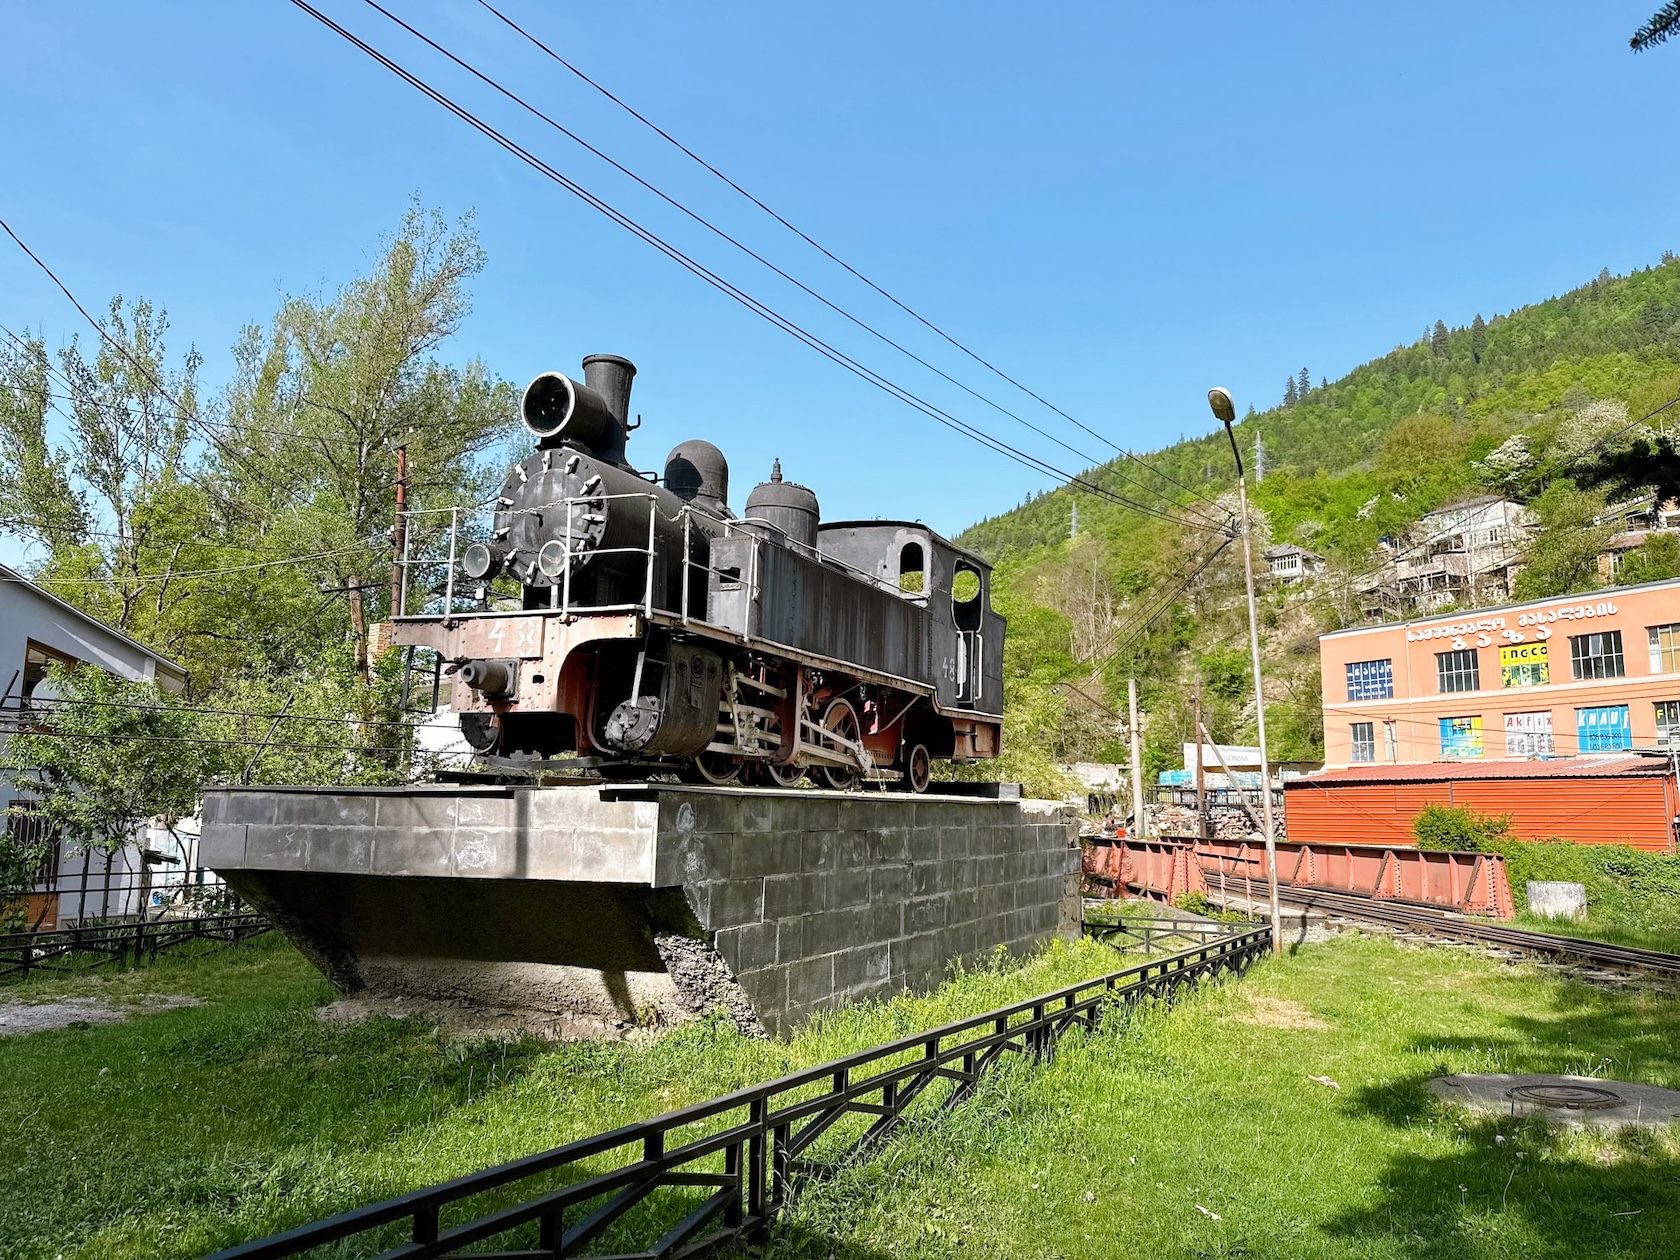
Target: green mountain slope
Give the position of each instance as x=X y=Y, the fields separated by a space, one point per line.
x=1515 y=406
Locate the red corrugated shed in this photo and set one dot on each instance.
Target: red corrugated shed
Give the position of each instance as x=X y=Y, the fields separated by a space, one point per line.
x=1590 y=800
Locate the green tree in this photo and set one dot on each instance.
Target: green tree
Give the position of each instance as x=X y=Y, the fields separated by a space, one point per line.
x=1438 y=341
x=1654 y=560
x=1562 y=559
x=1290 y=392
x=1478 y=338
x=106 y=756
x=91 y=498
x=1303 y=384
x=322 y=400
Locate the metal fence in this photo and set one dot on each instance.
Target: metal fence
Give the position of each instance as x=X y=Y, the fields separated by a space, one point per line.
x=693 y=1179
x=101 y=944
x=90 y=910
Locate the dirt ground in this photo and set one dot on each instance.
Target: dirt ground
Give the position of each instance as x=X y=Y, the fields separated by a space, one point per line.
x=19 y=1018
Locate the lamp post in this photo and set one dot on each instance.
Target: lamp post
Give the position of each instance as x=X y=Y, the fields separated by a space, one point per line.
x=1225 y=410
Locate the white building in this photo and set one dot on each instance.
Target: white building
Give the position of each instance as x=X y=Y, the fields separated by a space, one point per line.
x=37 y=630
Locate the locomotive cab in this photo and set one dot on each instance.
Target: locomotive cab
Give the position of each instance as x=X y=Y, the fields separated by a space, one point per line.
x=963 y=644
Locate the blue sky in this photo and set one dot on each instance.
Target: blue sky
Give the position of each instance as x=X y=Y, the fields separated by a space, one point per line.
x=1118 y=204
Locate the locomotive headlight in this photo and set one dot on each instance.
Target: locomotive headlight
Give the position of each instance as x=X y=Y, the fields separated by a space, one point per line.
x=479 y=562
x=551 y=558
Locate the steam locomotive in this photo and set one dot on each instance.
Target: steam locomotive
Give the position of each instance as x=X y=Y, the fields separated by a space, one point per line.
x=658 y=631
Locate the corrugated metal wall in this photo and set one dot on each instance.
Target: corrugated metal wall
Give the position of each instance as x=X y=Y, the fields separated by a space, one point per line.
x=1634 y=810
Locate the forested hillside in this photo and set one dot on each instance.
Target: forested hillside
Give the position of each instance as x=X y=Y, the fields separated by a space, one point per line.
x=1543 y=405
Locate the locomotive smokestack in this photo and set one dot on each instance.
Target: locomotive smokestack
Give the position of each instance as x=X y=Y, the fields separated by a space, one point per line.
x=609 y=375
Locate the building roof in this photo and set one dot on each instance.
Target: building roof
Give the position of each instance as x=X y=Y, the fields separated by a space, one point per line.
x=11 y=576
x=1588 y=597
x=1481 y=500
x=1531 y=768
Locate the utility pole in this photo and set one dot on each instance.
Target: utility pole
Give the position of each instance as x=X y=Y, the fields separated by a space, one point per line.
x=1201 y=786
x=1140 y=825
x=399 y=534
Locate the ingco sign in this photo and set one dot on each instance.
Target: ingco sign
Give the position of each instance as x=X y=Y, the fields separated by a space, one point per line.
x=1523 y=665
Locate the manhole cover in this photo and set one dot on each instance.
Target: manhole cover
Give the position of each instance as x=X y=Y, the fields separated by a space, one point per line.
x=1568 y=1100
x=1568 y=1097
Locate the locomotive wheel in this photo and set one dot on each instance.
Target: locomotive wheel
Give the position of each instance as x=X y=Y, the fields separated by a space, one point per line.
x=718 y=769
x=784 y=776
x=842 y=720
x=918 y=768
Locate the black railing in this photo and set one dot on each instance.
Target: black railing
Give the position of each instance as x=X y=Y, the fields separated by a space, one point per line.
x=694 y=1178
x=100 y=944
x=1123 y=933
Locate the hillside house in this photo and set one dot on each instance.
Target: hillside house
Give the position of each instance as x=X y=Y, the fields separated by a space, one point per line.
x=1634 y=521
x=1289 y=564
x=1464 y=553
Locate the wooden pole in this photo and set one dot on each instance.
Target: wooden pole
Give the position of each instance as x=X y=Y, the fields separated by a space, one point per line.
x=1140 y=824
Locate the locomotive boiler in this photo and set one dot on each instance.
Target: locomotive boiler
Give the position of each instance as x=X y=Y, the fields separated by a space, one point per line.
x=656 y=630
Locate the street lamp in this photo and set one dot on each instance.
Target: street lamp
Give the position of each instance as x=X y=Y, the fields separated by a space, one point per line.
x=1225 y=411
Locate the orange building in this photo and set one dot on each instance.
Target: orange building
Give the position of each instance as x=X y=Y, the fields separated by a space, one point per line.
x=1585 y=674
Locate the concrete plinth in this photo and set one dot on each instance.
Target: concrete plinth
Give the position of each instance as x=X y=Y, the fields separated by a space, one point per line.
x=645 y=903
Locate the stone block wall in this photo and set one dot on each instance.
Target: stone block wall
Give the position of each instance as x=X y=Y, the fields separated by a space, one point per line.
x=816 y=899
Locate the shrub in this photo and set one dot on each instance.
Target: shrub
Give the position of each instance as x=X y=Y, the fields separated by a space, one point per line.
x=1459 y=829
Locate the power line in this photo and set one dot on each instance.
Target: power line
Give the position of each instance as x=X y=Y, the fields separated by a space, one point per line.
x=710 y=277
x=1165 y=604
x=830 y=255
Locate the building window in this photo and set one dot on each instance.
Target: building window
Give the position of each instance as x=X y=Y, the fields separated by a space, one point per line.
x=37 y=660
x=1365 y=741
x=1461 y=737
x=1668 y=723
x=1456 y=671
x=1370 y=680
x=1603 y=729
x=1597 y=655
x=1529 y=735
x=1665 y=648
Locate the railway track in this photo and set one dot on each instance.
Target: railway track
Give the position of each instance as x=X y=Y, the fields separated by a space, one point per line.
x=1429 y=921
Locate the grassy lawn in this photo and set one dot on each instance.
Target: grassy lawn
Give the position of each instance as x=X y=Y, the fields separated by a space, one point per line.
x=179 y=1132
x=1199 y=1132
x=1633 y=898
x=186 y=1130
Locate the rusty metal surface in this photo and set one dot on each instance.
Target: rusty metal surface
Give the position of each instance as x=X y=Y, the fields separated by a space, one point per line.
x=1471 y=883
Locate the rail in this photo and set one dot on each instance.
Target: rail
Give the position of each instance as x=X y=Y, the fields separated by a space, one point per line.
x=1440 y=923
x=717 y=1171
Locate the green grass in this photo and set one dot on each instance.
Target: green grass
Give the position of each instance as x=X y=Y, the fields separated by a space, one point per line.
x=1633 y=897
x=183 y=1131
x=1110 y=1151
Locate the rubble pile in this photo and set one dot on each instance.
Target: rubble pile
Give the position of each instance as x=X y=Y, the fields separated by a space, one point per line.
x=1179 y=821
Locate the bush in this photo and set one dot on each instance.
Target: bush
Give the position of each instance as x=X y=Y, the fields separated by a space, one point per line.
x=1458 y=829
